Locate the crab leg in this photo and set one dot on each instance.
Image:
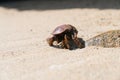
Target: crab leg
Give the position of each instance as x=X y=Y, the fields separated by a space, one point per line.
x=66 y=42
x=74 y=35
x=77 y=42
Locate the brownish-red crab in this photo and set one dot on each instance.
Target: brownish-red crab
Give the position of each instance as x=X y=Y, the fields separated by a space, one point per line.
x=66 y=36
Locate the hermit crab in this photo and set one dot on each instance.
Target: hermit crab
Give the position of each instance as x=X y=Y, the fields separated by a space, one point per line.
x=66 y=37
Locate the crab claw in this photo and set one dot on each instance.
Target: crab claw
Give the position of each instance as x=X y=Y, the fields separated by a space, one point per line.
x=50 y=40
x=74 y=36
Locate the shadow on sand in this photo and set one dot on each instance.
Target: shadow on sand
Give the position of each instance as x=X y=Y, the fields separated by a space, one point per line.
x=72 y=45
x=59 y=4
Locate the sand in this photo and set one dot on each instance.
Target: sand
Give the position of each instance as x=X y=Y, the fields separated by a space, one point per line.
x=25 y=54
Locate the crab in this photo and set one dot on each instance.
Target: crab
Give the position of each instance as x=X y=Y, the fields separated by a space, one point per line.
x=66 y=36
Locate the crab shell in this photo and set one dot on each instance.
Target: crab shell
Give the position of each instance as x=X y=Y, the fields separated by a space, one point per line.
x=66 y=27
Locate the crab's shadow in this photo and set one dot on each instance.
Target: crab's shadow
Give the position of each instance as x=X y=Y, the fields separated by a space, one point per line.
x=73 y=45
x=82 y=42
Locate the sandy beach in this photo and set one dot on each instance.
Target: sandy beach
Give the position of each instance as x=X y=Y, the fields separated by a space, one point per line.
x=25 y=54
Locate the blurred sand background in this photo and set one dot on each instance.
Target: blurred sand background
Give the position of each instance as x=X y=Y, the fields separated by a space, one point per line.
x=25 y=55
